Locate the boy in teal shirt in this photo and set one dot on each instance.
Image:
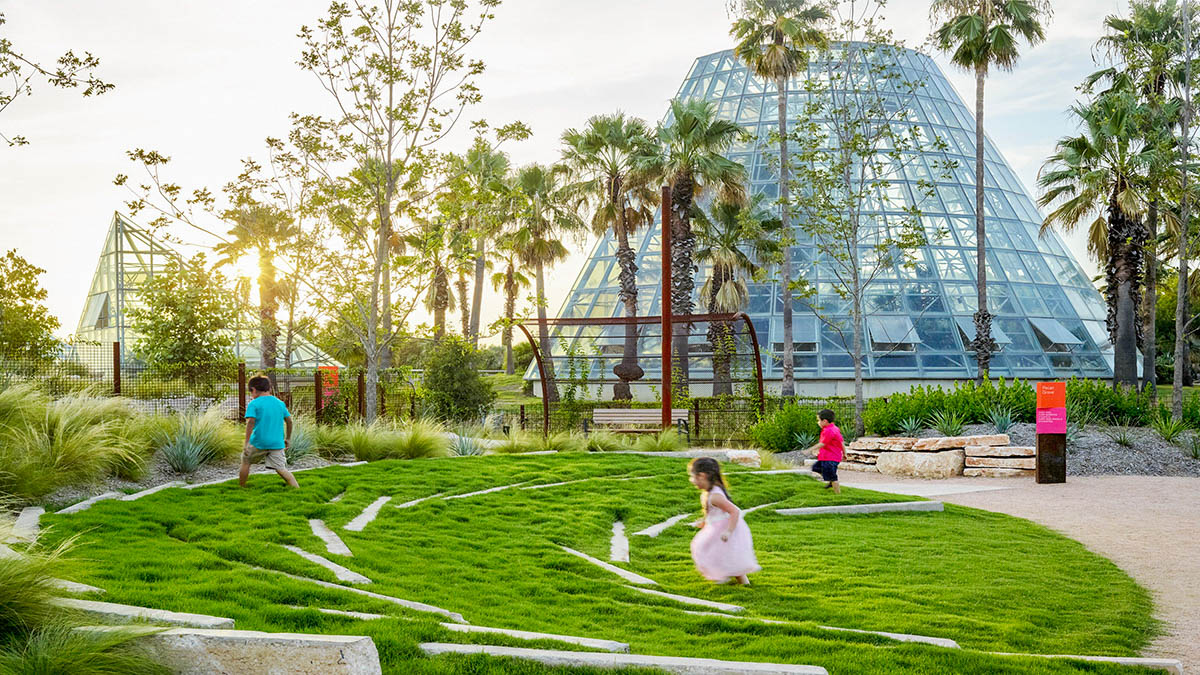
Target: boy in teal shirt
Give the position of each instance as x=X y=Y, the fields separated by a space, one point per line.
x=268 y=432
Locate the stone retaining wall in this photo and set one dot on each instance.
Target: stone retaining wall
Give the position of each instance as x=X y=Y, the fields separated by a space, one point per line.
x=990 y=455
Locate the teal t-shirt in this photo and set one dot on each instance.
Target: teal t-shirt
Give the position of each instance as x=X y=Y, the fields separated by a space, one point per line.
x=269 y=413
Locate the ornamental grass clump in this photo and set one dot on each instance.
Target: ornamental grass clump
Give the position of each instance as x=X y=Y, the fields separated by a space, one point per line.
x=1168 y=428
x=605 y=441
x=518 y=442
x=195 y=441
x=667 y=440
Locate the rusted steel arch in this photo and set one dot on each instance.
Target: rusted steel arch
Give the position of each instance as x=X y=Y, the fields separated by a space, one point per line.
x=639 y=320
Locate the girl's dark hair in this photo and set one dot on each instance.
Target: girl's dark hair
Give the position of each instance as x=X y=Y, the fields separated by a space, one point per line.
x=709 y=467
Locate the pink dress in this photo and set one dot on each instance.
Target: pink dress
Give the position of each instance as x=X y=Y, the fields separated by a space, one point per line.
x=720 y=560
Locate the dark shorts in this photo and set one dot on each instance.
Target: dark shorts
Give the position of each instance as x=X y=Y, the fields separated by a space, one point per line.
x=827 y=469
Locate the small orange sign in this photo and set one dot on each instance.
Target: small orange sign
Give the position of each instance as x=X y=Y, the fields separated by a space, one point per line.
x=1051 y=395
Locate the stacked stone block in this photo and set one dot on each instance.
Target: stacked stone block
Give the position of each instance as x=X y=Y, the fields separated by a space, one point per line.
x=983 y=455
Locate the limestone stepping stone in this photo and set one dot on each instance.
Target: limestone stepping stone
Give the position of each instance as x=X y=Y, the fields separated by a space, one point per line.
x=606 y=645
x=368 y=514
x=193 y=486
x=899 y=637
x=338 y=497
x=364 y=616
x=333 y=543
x=407 y=604
x=1173 y=666
x=752 y=509
x=655 y=530
x=150 y=491
x=484 y=492
x=670 y=664
x=862 y=508
x=624 y=574
x=711 y=604
x=549 y=485
x=349 y=464
x=28 y=524
x=87 y=503
x=111 y=611
x=198 y=651
x=408 y=505
x=74 y=586
x=343 y=574
x=618 y=546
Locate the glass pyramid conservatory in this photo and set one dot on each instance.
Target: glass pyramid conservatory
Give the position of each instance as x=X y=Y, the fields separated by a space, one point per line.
x=1049 y=318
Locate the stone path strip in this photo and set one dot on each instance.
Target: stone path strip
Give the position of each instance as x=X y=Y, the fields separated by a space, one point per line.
x=74 y=586
x=618 y=546
x=655 y=530
x=407 y=604
x=28 y=524
x=343 y=574
x=862 y=508
x=87 y=503
x=1170 y=665
x=408 y=505
x=368 y=514
x=338 y=497
x=670 y=664
x=111 y=611
x=711 y=604
x=333 y=543
x=593 y=643
x=364 y=616
x=150 y=491
x=624 y=574
x=899 y=637
x=484 y=492
x=752 y=509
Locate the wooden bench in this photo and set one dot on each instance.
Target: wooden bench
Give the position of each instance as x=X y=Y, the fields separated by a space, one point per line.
x=648 y=420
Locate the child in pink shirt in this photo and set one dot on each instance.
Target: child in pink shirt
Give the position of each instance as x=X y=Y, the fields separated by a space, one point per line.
x=829 y=450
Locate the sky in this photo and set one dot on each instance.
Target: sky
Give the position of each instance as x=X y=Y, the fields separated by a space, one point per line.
x=207 y=82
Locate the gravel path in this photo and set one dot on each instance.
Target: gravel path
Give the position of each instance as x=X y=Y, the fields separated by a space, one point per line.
x=1147 y=525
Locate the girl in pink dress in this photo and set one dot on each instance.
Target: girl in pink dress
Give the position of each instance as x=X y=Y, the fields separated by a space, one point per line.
x=722 y=549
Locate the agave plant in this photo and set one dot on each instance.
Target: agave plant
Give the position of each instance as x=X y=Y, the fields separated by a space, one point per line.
x=193 y=443
x=465 y=446
x=303 y=444
x=804 y=439
x=911 y=426
x=947 y=423
x=1001 y=418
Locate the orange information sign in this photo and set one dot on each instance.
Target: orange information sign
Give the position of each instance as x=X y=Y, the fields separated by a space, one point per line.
x=1051 y=395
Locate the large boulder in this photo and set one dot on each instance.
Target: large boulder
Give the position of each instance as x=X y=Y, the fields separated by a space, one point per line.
x=886 y=443
x=951 y=442
x=921 y=464
x=744 y=457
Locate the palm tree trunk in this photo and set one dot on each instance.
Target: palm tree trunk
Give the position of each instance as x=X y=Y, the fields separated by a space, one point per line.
x=477 y=292
x=510 y=310
x=441 y=299
x=785 y=276
x=1181 y=297
x=628 y=369
x=268 y=305
x=683 y=283
x=1125 y=356
x=468 y=322
x=1126 y=243
x=1150 y=306
x=551 y=392
x=983 y=318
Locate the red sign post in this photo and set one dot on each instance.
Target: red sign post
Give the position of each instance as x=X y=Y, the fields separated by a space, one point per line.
x=1051 y=432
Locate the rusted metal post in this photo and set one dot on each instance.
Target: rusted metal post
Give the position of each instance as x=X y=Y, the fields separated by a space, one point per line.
x=381 y=394
x=522 y=417
x=362 y=396
x=242 y=391
x=318 y=396
x=696 y=415
x=665 y=301
x=116 y=369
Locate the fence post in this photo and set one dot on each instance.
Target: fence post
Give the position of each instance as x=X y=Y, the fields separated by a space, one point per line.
x=696 y=413
x=381 y=394
x=362 y=395
x=318 y=387
x=412 y=406
x=242 y=392
x=116 y=369
x=522 y=417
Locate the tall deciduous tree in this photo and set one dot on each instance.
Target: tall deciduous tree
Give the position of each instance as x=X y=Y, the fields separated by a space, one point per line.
x=611 y=162
x=26 y=325
x=733 y=241
x=19 y=71
x=773 y=38
x=694 y=142
x=981 y=35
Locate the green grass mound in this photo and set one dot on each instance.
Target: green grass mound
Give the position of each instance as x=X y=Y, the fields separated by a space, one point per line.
x=988 y=581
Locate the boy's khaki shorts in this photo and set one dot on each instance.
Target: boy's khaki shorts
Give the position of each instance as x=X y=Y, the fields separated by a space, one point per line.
x=275 y=459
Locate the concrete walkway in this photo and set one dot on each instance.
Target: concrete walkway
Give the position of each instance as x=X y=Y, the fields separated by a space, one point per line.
x=1145 y=524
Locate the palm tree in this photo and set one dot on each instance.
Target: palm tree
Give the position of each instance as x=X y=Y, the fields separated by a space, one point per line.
x=694 y=142
x=431 y=245
x=734 y=241
x=264 y=230
x=485 y=169
x=981 y=34
x=607 y=159
x=548 y=212
x=1098 y=173
x=773 y=38
x=510 y=282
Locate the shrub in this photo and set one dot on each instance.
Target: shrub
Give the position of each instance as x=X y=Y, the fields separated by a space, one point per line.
x=1096 y=399
x=1001 y=419
x=667 y=440
x=778 y=431
x=947 y=423
x=454 y=390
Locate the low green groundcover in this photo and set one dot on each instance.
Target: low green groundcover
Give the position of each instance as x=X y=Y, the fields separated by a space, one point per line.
x=991 y=582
